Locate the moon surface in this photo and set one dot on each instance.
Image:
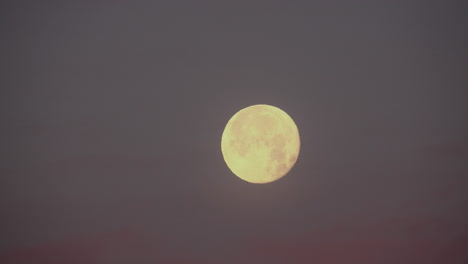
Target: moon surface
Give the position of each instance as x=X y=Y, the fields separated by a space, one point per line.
x=260 y=143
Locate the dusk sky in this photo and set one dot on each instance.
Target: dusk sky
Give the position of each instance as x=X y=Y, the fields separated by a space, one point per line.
x=112 y=114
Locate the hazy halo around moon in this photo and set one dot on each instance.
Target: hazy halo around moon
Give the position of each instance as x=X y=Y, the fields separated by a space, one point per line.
x=260 y=143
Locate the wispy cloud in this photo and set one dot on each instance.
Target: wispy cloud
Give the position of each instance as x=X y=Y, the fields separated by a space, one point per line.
x=371 y=246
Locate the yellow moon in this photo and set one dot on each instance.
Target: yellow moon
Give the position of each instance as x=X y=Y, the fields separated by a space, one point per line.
x=260 y=143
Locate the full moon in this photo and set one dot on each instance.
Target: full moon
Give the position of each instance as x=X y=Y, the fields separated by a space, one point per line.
x=260 y=143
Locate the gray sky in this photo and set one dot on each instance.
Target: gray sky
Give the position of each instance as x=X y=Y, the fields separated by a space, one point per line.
x=112 y=114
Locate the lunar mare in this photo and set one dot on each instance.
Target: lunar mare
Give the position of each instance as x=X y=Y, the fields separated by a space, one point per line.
x=260 y=143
